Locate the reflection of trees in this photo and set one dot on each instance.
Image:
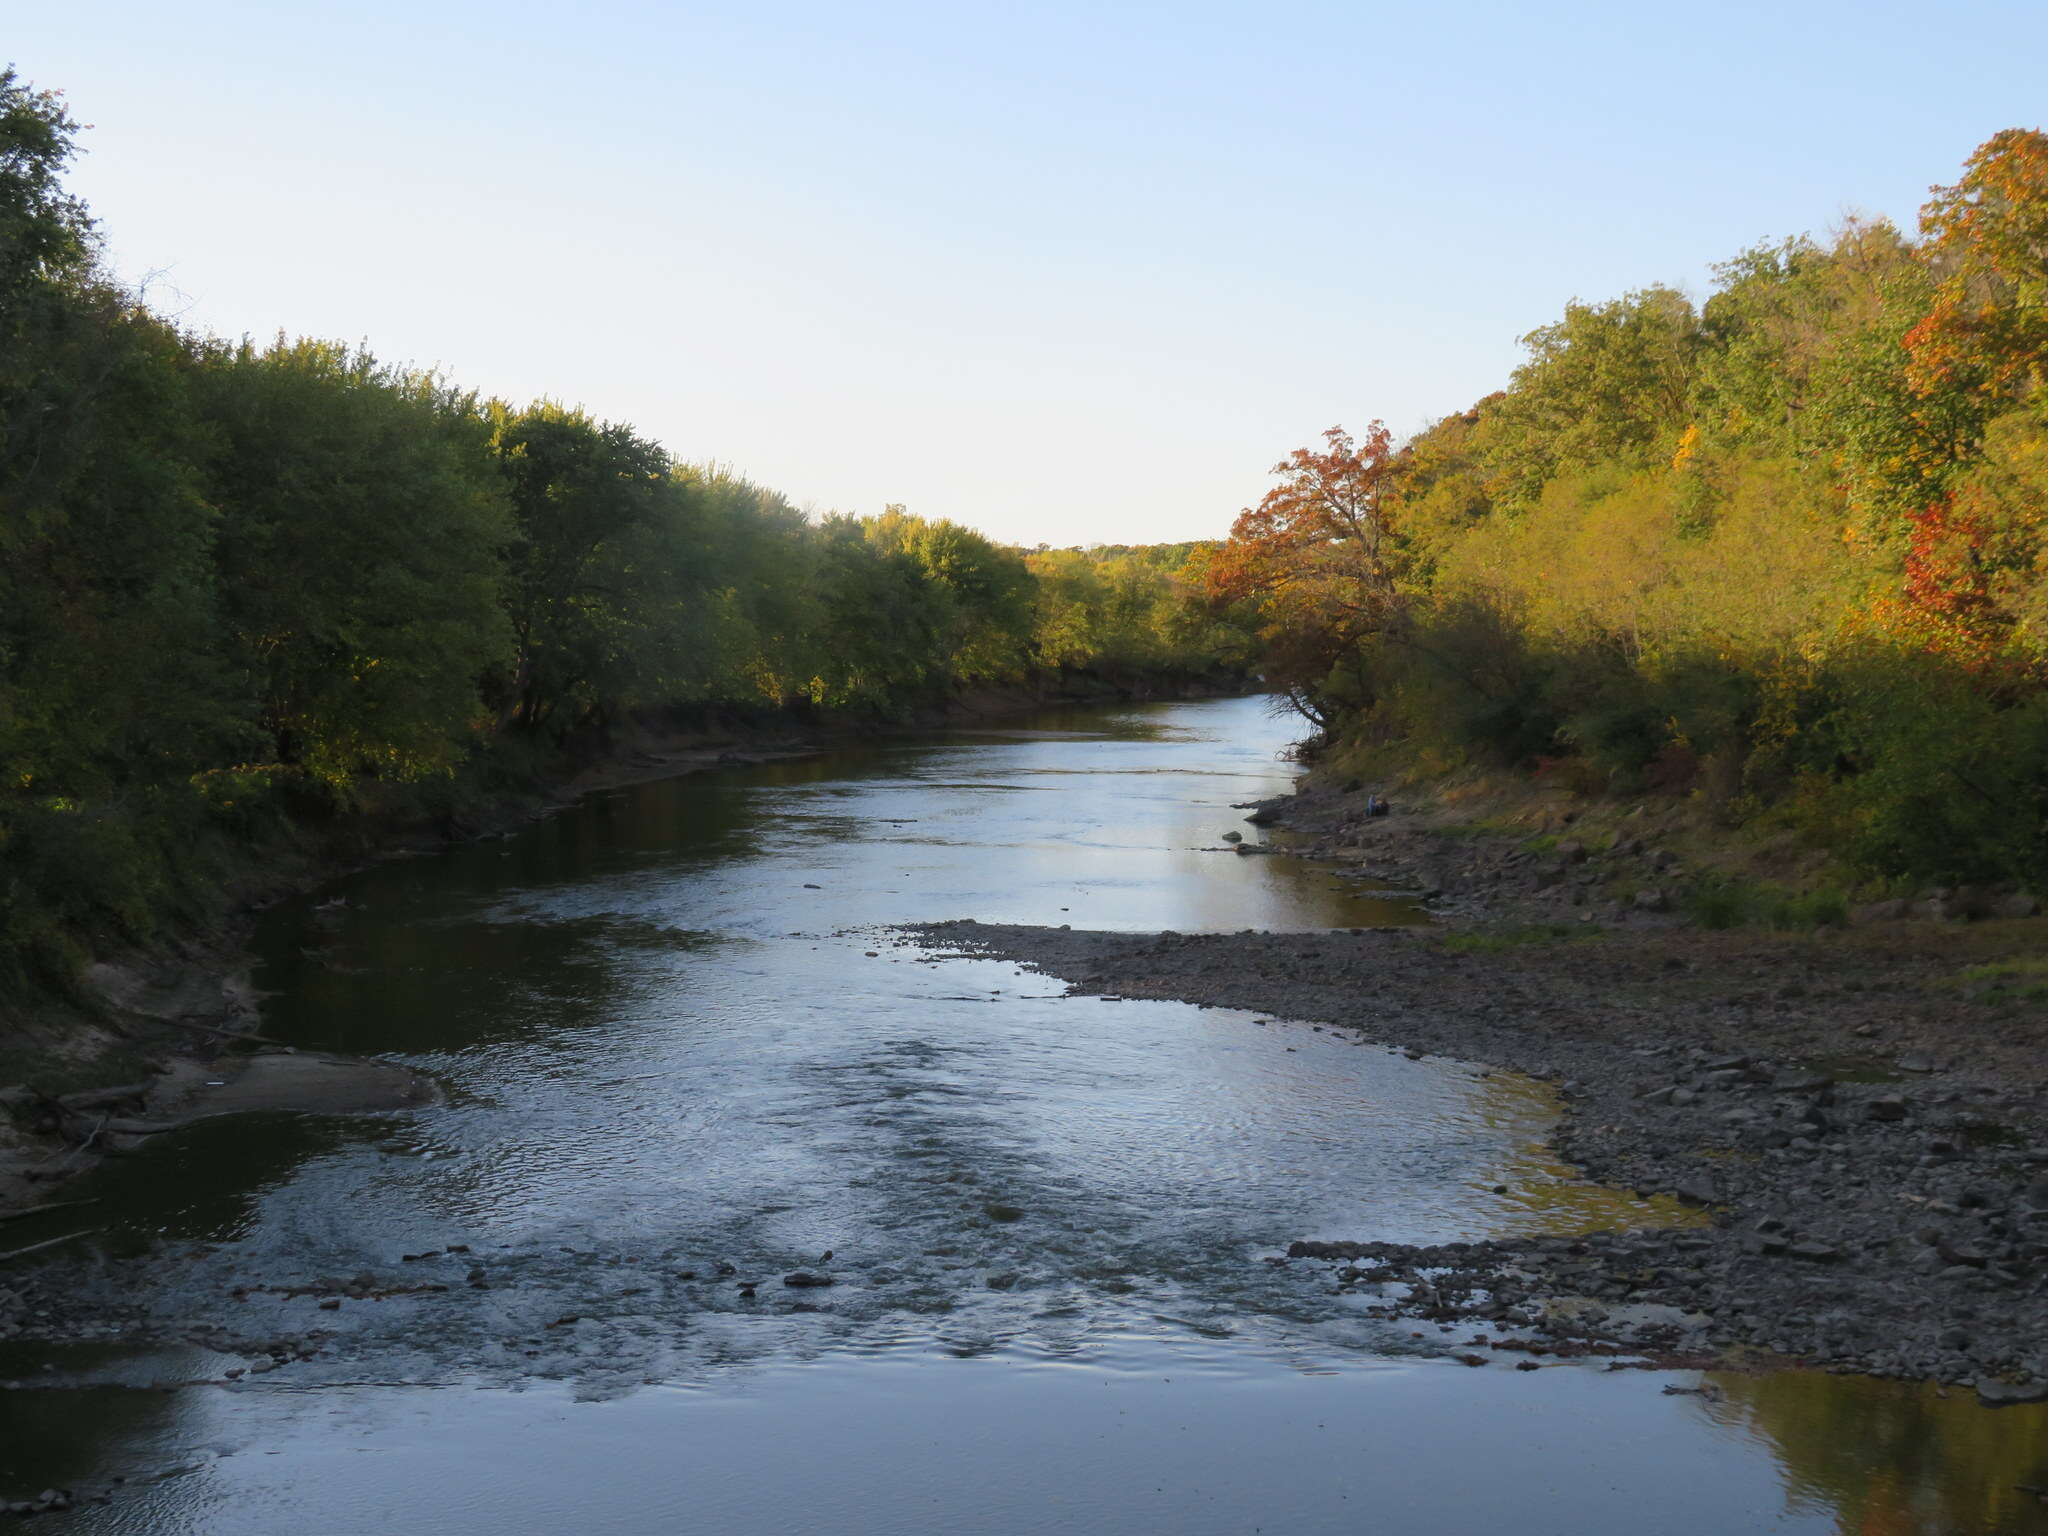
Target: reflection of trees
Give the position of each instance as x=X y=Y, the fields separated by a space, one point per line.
x=1545 y=1193
x=1894 y=1459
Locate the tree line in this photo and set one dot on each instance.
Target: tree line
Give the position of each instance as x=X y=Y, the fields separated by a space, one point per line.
x=1785 y=550
x=247 y=591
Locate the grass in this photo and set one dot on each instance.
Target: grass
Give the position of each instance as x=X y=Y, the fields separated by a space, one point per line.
x=2023 y=979
x=1478 y=829
x=1721 y=901
x=1494 y=941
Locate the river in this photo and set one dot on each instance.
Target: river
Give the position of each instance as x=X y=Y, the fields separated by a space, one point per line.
x=680 y=1049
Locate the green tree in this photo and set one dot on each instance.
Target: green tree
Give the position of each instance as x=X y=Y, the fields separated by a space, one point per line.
x=359 y=551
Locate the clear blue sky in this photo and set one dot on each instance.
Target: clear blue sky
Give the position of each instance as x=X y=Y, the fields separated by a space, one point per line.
x=1062 y=272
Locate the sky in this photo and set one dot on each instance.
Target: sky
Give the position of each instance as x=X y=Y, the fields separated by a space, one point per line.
x=1066 y=273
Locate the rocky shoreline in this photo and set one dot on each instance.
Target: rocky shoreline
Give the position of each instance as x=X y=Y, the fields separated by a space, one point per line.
x=1866 y=1140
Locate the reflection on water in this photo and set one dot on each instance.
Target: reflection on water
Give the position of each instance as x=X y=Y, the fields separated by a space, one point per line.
x=1892 y=1458
x=679 y=1052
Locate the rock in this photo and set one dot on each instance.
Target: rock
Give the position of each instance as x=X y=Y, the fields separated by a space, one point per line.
x=2016 y=904
x=1264 y=816
x=330 y=1304
x=1804 y=1082
x=1959 y=1255
x=1917 y=1061
x=1233 y=837
x=1696 y=1190
x=1652 y=898
x=1993 y=1393
x=1890 y=1107
x=995 y=1210
x=1682 y=1096
x=1817 y=1253
x=803 y=1277
x=1571 y=853
x=1003 y=1280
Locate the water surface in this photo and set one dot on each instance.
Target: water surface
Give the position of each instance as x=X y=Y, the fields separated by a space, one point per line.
x=682 y=1050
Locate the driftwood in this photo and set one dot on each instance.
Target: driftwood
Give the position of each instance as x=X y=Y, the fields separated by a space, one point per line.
x=37 y=1210
x=140 y=1127
x=69 y=1237
x=215 y=1029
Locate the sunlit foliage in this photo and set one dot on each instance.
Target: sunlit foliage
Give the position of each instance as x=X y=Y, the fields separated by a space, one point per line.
x=1785 y=552
x=247 y=590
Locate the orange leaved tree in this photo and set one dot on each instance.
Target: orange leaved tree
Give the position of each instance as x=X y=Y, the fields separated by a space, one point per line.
x=1316 y=554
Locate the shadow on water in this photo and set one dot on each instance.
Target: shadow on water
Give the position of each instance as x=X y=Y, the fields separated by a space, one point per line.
x=680 y=1049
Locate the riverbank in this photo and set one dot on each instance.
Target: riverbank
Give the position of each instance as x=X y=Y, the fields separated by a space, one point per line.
x=74 y=1070
x=1857 y=1113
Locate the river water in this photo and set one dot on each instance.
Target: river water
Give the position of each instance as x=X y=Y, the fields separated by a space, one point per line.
x=681 y=1049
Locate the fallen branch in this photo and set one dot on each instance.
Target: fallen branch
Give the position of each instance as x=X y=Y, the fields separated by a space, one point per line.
x=215 y=1029
x=69 y=1237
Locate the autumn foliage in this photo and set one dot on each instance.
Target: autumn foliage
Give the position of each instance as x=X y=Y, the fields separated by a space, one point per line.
x=1315 y=555
x=1787 y=550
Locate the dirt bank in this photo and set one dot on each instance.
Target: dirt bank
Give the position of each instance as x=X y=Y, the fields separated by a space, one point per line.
x=1858 y=1111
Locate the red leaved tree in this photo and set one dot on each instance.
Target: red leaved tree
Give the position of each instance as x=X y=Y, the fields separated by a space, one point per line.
x=1315 y=555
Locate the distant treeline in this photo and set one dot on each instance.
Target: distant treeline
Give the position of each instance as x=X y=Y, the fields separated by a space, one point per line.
x=1785 y=551
x=246 y=588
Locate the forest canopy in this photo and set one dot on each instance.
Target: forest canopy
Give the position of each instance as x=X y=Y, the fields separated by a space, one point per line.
x=1785 y=551
x=247 y=590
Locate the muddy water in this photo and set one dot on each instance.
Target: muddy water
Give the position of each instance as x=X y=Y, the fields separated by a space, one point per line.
x=681 y=1050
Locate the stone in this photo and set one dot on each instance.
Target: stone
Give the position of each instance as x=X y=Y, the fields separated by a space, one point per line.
x=1817 y=1253
x=2016 y=904
x=1233 y=837
x=1698 y=1189
x=1571 y=853
x=1959 y=1254
x=1993 y=1393
x=1918 y=1061
x=1804 y=1082
x=1652 y=898
x=803 y=1278
x=995 y=1210
x=1890 y=1107
x=1003 y=1280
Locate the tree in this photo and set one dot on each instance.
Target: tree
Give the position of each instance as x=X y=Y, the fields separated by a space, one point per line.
x=581 y=491
x=1987 y=332
x=1607 y=384
x=1317 y=553
x=360 y=550
x=44 y=232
